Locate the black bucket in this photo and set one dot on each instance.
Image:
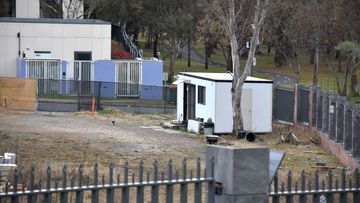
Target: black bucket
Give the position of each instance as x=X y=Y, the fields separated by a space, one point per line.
x=240 y=134
x=250 y=137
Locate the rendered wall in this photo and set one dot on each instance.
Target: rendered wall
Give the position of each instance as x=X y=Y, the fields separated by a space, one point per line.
x=61 y=39
x=18 y=94
x=27 y=8
x=152 y=80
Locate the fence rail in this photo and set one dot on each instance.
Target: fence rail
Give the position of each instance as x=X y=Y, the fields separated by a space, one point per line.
x=327 y=190
x=111 y=184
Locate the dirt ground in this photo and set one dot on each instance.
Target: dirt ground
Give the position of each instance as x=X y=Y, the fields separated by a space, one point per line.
x=41 y=139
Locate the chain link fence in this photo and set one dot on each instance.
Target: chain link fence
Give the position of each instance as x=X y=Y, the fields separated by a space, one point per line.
x=72 y=95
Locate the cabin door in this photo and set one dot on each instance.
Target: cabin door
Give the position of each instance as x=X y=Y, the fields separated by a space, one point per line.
x=189 y=101
x=246 y=108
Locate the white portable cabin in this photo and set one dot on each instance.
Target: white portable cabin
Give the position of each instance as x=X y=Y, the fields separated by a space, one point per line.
x=208 y=95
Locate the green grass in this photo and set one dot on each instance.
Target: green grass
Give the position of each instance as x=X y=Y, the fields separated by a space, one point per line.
x=265 y=62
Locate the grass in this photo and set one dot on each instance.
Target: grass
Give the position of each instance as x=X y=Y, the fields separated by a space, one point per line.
x=265 y=62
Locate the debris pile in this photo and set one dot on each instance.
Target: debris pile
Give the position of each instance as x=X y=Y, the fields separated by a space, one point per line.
x=7 y=164
x=289 y=138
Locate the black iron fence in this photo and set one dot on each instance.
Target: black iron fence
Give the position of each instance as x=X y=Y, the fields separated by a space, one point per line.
x=127 y=187
x=313 y=188
x=73 y=95
x=327 y=112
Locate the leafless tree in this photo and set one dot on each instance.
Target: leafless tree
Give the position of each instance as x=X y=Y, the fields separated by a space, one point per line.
x=228 y=11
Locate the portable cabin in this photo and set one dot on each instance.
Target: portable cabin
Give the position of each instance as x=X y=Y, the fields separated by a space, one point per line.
x=208 y=95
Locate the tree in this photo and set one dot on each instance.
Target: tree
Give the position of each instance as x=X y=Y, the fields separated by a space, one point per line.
x=351 y=51
x=228 y=12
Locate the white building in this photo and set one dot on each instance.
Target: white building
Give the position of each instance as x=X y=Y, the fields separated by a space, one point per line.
x=65 y=39
x=208 y=95
x=27 y=8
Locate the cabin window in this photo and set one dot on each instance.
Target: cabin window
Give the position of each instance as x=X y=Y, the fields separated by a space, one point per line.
x=201 y=94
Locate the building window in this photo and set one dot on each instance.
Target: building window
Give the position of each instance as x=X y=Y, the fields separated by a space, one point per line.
x=201 y=94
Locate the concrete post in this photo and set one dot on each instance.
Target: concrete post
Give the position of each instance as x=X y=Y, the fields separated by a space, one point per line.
x=242 y=172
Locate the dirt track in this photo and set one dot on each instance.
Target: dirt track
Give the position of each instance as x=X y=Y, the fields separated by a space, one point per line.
x=73 y=138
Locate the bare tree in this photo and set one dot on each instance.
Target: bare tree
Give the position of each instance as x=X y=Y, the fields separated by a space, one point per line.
x=228 y=11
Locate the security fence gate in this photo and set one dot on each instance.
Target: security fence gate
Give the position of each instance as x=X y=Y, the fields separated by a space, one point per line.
x=128 y=78
x=84 y=72
x=48 y=73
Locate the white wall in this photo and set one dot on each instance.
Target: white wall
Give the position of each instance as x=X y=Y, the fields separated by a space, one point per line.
x=202 y=111
x=262 y=101
x=223 y=112
x=61 y=39
x=180 y=102
x=27 y=8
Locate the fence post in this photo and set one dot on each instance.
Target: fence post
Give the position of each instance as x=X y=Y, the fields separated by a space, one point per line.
x=234 y=173
x=296 y=104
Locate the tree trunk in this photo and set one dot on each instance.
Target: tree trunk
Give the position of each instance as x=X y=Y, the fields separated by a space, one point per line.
x=339 y=65
x=316 y=67
x=206 y=57
x=189 y=51
x=346 y=75
x=239 y=79
x=155 y=46
x=313 y=56
x=279 y=59
x=353 y=84
x=149 y=37
x=172 y=60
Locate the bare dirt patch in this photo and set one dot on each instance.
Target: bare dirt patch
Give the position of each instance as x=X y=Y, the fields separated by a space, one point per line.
x=55 y=139
x=42 y=139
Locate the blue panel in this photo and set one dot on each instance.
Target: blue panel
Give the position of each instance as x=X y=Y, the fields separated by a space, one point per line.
x=151 y=92
x=21 y=68
x=104 y=70
x=152 y=72
x=107 y=89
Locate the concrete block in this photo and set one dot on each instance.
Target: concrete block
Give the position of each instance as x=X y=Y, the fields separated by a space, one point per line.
x=243 y=172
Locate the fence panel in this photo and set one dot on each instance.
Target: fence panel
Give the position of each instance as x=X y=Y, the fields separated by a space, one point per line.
x=348 y=129
x=70 y=95
x=340 y=123
x=93 y=190
x=313 y=109
x=319 y=111
x=303 y=105
x=326 y=189
x=284 y=105
x=356 y=138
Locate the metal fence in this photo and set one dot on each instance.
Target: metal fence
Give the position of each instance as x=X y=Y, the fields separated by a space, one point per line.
x=303 y=105
x=313 y=188
x=284 y=105
x=86 y=188
x=327 y=112
x=74 y=95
